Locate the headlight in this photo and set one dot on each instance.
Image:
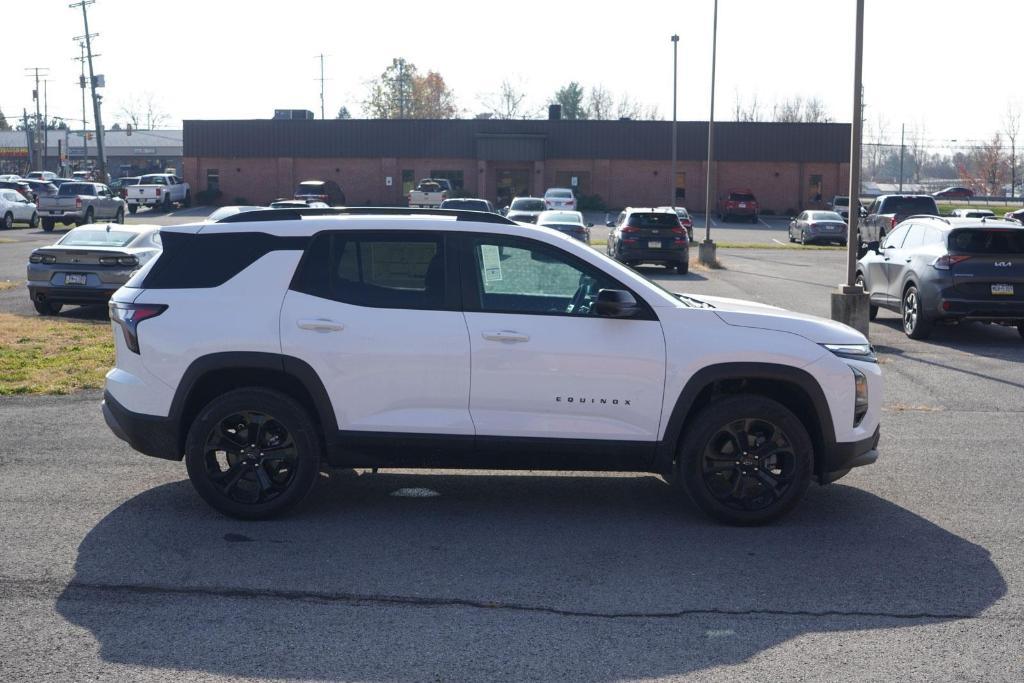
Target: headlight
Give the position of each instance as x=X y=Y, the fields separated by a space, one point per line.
x=862 y=352
x=860 y=393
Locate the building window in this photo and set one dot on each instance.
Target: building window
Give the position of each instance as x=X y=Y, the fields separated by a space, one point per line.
x=408 y=181
x=815 y=187
x=565 y=179
x=454 y=177
x=680 y=186
x=212 y=180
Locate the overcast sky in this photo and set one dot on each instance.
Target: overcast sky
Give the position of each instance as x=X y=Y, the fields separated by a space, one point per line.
x=949 y=67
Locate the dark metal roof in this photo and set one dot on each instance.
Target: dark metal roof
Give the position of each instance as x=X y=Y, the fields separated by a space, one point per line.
x=507 y=140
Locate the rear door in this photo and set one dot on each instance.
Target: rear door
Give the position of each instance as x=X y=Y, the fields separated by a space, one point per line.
x=989 y=264
x=900 y=258
x=376 y=314
x=544 y=365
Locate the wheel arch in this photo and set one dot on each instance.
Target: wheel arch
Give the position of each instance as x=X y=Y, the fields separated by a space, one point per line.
x=794 y=388
x=215 y=374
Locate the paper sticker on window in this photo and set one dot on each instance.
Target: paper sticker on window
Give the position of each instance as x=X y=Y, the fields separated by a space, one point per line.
x=492 y=262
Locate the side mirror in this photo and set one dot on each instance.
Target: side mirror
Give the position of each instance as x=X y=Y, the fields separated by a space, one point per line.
x=872 y=246
x=590 y=225
x=616 y=303
x=504 y=211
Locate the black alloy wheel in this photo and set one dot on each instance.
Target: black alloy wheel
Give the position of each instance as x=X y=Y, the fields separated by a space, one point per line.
x=748 y=460
x=252 y=453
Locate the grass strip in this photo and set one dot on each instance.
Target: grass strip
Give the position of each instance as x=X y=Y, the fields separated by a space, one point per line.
x=52 y=355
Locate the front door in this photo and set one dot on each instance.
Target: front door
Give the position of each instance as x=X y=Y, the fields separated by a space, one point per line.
x=896 y=258
x=544 y=364
x=512 y=183
x=375 y=315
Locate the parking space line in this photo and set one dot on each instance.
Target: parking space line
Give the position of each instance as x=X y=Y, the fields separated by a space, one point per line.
x=761 y=221
x=778 y=242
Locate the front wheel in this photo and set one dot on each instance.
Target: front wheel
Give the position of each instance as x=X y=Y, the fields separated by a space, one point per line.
x=188 y=199
x=252 y=453
x=167 y=203
x=88 y=218
x=803 y=238
x=8 y=221
x=915 y=324
x=48 y=224
x=747 y=460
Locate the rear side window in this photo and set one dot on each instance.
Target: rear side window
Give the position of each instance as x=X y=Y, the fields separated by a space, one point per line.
x=915 y=237
x=380 y=270
x=908 y=206
x=653 y=220
x=741 y=197
x=153 y=180
x=987 y=241
x=73 y=189
x=195 y=261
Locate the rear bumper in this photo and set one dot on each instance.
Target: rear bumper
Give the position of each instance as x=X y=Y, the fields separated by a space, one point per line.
x=673 y=255
x=149 y=434
x=62 y=216
x=987 y=311
x=72 y=294
x=838 y=460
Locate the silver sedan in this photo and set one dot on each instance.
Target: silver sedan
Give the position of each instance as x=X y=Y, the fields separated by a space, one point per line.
x=818 y=226
x=88 y=264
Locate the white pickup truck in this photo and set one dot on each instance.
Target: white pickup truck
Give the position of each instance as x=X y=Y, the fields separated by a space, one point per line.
x=430 y=192
x=159 y=189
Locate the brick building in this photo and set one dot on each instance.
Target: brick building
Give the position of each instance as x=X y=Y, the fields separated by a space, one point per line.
x=789 y=166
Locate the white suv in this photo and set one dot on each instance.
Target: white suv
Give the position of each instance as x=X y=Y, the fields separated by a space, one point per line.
x=263 y=345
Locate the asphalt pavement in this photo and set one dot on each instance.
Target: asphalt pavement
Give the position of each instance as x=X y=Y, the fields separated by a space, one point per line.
x=111 y=568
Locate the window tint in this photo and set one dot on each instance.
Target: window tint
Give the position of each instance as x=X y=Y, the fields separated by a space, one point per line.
x=378 y=270
x=653 y=220
x=987 y=241
x=527 y=205
x=522 y=276
x=558 y=194
x=896 y=237
x=741 y=197
x=153 y=180
x=90 y=237
x=908 y=206
x=72 y=189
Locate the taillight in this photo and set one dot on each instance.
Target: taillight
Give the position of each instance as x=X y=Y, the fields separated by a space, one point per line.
x=893 y=223
x=947 y=261
x=128 y=316
x=42 y=258
x=118 y=261
x=629 y=230
x=159 y=191
x=78 y=202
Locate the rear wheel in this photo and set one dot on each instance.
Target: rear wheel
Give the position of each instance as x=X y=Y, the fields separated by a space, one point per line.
x=747 y=460
x=34 y=221
x=803 y=238
x=753 y=219
x=915 y=324
x=88 y=218
x=47 y=307
x=167 y=203
x=132 y=208
x=872 y=309
x=252 y=453
x=683 y=267
x=188 y=199
x=8 y=222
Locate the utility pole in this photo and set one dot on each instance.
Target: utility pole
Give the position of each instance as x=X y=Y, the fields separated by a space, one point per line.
x=675 y=82
x=101 y=161
x=28 y=139
x=707 y=247
x=850 y=303
x=37 y=135
x=321 y=79
x=46 y=125
x=903 y=130
x=81 y=84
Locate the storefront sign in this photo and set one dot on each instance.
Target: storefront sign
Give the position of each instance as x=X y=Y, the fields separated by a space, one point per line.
x=13 y=152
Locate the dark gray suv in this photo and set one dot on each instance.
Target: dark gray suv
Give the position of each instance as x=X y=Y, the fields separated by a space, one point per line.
x=931 y=269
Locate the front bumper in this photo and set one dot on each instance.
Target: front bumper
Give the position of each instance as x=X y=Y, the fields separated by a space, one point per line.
x=148 y=434
x=837 y=461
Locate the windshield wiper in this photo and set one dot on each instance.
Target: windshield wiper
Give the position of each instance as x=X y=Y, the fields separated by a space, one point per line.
x=694 y=303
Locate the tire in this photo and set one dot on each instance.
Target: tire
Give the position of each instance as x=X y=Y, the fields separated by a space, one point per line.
x=47 y=307
x=872 y=309
x=915 y=324
x=132 y=208
x=803 y=238
x=242 y=481
x=119 y=218
x=47 y=225
x=753 y=219
x=34 y=221
x=88 y=218
x=789 y=234
x=683 y=267
x=8 y=221
x=167 y=203
x=731 y=483
x=188 y=199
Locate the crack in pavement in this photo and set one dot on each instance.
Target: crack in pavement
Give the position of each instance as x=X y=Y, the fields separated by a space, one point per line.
x=50 y=587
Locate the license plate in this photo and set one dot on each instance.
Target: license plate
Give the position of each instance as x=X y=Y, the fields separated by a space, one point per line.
x=75 y=279
x=743 y=205
x=654 y=245
x=1002 y=290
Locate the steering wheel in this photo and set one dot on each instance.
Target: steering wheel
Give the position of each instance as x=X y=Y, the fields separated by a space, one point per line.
x=579 y=304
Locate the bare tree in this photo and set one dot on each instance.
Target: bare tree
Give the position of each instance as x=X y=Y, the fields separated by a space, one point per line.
x=916 y=147
x=789 y=110
x=991 y=165
x=747 y=112
x=507 y=103
x=599 y=103
x=815 y=112
x=627 y=108
x=652 y=113
x=1011 y=126
x=143 y=112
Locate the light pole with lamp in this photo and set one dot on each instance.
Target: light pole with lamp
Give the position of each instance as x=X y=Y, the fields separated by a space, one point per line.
x=850 y=302
x=707 y=247
x=675 y=82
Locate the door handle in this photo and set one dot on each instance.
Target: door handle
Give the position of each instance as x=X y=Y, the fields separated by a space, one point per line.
x=320 y=325
x=506 y=336
x=886 y=258
x=907 y=260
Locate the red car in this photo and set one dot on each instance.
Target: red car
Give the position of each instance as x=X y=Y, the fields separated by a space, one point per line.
x=954 y=193
x=740 y=203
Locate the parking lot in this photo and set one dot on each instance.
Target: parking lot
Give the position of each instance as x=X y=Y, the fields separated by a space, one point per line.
x=112 y=568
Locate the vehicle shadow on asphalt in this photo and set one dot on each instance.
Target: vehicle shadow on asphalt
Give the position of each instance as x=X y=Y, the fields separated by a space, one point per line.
x=504 y=577
x=990 y=341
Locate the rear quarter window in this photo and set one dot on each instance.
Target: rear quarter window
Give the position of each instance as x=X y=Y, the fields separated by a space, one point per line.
x=198 y=261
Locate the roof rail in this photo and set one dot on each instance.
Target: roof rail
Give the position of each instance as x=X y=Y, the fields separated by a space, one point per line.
x=296 y=214
x=928 y=215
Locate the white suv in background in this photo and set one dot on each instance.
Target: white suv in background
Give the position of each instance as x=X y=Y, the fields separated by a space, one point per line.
x=560 y=198
x=266 y=344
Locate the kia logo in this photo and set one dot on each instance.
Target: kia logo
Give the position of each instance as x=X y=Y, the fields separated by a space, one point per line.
x=1003 y=264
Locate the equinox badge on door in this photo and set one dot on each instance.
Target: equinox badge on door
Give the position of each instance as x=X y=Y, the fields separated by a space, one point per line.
x=612 y=401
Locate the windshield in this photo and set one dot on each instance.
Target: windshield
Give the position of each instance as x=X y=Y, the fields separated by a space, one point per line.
x=72 y=189
x=825 y=216
x=153 y=180
x=91 y=237
x=987 y=241
x=741 y=197
x=527 y=205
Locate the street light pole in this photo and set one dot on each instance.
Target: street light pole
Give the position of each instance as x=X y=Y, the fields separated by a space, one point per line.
x=707 y=247
x=675 y=83
x=850 y=303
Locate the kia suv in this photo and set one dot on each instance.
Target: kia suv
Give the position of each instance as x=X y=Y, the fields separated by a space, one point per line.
x=932 y=269
x=273 y=342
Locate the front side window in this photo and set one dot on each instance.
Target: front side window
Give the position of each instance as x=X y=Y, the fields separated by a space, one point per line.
x=895 y=238
x=527 y=277
x=376 y=270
